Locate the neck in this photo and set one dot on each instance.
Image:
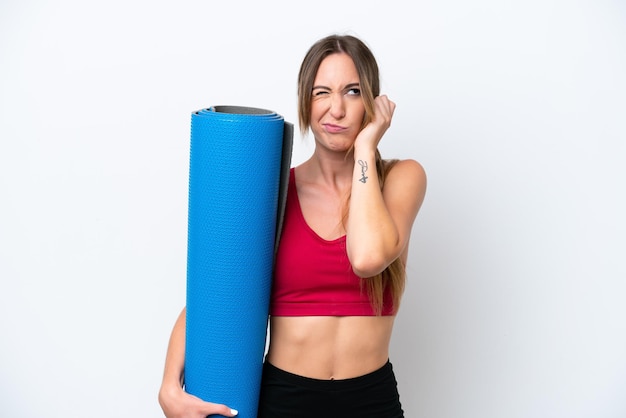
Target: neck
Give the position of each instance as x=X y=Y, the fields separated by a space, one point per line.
x=333 y=168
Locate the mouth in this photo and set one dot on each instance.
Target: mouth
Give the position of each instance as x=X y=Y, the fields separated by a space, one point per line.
x=333 y=129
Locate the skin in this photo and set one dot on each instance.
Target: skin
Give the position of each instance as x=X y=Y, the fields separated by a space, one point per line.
x=377 y=231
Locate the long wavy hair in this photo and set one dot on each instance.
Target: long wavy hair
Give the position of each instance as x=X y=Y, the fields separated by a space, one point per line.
x=392 y=279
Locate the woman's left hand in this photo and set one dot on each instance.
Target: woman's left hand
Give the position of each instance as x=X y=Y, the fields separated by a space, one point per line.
x=373 y=132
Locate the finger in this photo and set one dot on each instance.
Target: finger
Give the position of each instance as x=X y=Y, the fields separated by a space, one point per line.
x=384 y=112
x=214 y=408
x=384 y=105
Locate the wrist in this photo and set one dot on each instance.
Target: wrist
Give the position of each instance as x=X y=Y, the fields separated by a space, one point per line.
x=364 y=153
x=171 y=383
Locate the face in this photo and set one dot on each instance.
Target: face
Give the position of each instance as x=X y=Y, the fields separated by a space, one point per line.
x=337 y=108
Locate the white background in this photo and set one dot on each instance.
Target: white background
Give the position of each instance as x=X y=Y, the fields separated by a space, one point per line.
x=515 y=305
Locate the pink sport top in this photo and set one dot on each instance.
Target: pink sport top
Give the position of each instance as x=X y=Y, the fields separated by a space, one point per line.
x=313 y=276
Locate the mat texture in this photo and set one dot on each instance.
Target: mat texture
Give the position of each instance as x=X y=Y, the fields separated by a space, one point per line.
x=238 y=171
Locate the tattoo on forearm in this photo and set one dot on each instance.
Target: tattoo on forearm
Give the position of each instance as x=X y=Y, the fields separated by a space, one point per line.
x=363 y=165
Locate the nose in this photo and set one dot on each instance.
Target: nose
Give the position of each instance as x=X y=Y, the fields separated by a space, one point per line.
x=337 y=107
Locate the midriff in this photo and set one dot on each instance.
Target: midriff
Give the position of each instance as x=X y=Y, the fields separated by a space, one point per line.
x=330 y=347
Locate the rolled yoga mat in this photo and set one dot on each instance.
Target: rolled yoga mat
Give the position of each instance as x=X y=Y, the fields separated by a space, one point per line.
x=238 y=176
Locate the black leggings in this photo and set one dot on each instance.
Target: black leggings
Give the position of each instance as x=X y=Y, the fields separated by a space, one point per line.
x=287 y=395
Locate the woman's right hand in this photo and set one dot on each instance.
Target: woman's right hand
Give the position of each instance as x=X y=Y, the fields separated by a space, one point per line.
x=176 y=403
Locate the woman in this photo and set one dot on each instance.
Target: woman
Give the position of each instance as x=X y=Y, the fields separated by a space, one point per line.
x=340 y=266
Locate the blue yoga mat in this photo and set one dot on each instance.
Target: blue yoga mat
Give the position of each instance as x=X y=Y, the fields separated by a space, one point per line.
x=238 y=172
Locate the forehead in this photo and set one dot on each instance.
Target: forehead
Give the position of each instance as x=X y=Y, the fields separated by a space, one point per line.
x=336 y=68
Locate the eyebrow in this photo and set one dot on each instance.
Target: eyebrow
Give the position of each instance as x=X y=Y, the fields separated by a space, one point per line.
x=347 y=87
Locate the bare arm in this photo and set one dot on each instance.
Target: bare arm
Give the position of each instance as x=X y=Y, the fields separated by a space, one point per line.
x=379 y=223
x=174 y=401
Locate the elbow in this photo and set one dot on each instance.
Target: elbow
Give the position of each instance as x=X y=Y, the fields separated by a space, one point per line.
x=368 y=265
x=370 y=261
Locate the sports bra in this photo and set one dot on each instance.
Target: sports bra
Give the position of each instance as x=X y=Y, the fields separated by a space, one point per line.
x=313 y=276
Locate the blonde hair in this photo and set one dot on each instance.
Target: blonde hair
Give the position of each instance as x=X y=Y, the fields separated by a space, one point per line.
x=393 y=277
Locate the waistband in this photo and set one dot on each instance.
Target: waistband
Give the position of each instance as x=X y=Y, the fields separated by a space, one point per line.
x=376 y=377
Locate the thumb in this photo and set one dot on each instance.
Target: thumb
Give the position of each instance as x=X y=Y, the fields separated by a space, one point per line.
x=215 y=408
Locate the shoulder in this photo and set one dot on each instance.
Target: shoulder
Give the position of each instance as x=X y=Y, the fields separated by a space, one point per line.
x=408 y=166
x=405 y=186
x=407 y=174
